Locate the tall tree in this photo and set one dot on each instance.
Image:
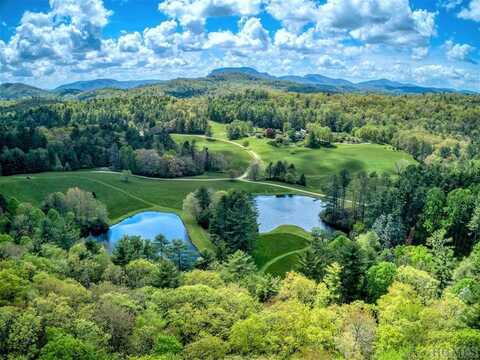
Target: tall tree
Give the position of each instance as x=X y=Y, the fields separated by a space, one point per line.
x=234 y=221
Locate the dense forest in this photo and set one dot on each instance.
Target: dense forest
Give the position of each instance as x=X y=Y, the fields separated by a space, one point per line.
x=40 y=135
x=62 y=296
x=398 y=279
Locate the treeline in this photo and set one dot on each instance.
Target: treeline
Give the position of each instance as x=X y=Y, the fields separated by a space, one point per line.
x=69 y=135
x=75 y=135
x=440 y=126
x=284 y=172
x=27 y=150
x=411 y=207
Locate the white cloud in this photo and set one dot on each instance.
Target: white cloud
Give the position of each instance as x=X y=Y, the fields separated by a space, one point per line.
x=309 y=41
x=458 y=52
x=293 y=14
x=162 y=37
x=472 y=12
x=419 y=53
x=83 y=13
x=252 y=36
x=327 y=61
x=450 y=4
x=193 y=13
x=388 y=22
x=130 y=42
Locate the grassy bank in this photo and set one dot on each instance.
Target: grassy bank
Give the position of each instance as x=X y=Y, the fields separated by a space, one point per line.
x=272 y=248
x=125 y=198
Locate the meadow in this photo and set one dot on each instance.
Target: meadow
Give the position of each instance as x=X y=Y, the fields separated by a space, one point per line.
x=319 y=164
x=283 y=244
x=235 y=157
x=125 y=198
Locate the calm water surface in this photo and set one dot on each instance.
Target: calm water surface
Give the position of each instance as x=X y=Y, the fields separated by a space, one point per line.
x=273 y=211
x=302 y=211
x=148 y=224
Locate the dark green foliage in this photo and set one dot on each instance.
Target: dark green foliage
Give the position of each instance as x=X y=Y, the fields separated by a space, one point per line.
x=234 y=221
x=131 y=248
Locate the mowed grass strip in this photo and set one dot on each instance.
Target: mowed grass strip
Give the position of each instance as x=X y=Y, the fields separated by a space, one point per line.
x=274 y=244
x=284 y=265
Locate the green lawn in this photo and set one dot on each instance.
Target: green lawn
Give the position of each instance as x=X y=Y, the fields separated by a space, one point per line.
x=284 y=265
x=123 y=199
x=319 y=164
x=235 y=157
x=274 y=244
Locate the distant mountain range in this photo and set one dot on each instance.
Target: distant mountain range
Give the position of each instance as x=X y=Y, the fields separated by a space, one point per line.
x=339 y=85
x=294 y=83
x=96 y=84
x=14 y=91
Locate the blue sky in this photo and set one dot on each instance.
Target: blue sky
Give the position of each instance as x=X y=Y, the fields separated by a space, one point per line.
x=428 y=42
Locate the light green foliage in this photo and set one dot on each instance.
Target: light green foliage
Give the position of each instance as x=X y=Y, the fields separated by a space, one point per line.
x=284 y=329
x=207 y=348
x=418 y=257
x=61 y=346
x=399 y=329
x=13 y=289
x=209 y=278
x=299 y=288
x=379 y=278
x=333 y=282
x=190 y=311
x=422 y=282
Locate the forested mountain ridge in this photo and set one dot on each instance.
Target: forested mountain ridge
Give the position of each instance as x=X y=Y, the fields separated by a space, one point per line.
x=14 y=91
x=104 y=83
x=220 y=78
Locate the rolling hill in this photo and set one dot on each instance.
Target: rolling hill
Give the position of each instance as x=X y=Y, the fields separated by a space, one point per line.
x=15 y=91
x=324 y=83
x=104 y=83
x=217 y=79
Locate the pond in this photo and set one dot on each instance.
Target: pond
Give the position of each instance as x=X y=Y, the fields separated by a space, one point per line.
x=302 y=211
x=273 y=211
x=148 y=224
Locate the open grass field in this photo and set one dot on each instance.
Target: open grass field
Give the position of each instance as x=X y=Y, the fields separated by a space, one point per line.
x=125 y=198
x=319 y=164
x=272 y=249
x=277 y=251
x=235 y=157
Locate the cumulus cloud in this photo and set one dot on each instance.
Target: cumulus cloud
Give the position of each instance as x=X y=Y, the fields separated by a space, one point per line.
x=293 y=14
x=419 y=53
x=130 y=42
x=161 y=38
x=458 y=52
x=450 y=4
x=252 y=36
x=63 y=35
x=329 y=62
x=193 y=13
x=389 y=22
x=472 y=12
